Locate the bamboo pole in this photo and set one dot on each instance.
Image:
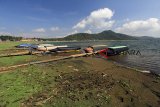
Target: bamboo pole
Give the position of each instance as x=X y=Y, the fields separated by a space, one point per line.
x=28 y=53
x=2 y=69
x=18 y=54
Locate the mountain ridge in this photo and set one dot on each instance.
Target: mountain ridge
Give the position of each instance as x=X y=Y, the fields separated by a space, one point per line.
x=104 y=35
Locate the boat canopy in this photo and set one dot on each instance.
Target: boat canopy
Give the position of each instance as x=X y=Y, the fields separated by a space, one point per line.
x=24 y=45
x=117 y=49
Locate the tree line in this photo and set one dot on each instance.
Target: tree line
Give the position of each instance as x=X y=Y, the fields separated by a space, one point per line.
x=9 y=38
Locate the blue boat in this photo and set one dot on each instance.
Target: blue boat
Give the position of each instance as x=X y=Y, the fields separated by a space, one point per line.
x=24 y=45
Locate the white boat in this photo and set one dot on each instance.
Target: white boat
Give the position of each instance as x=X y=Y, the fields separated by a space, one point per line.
x=45 y=47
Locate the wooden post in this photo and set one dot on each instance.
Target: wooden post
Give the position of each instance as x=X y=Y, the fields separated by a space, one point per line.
x=2 y=69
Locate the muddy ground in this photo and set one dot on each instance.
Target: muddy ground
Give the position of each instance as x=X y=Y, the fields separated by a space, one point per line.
x=95 y=82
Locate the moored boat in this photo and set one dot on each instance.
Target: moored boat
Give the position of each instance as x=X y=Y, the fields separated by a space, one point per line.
x=45 y=47
x=116 y=50
x=111 y=51
x=65 y=49
x=24 y=45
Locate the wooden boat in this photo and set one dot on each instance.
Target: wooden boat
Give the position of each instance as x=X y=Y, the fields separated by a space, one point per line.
x=24 y=45
x=65 y=49
x=116 y=50
x=45 y=47
x=111 y=51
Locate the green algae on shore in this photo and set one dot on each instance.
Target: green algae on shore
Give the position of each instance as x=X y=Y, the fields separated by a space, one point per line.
x=83 y=82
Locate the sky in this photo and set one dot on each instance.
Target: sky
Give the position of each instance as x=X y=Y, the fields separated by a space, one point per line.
x=59 y=18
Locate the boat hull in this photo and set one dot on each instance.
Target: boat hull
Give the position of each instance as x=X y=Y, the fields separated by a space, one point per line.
x=111 y=51
x=65 y=49
x=46 y=47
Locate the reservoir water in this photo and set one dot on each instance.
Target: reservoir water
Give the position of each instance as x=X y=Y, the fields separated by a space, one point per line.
x=148 y=59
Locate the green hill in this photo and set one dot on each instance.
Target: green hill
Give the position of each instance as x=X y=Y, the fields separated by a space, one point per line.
x=105 y=35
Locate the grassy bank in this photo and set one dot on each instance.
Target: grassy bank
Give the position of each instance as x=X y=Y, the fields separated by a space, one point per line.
x=81 y=82
x=78 y=82
x=12 y=44
x=9 y=45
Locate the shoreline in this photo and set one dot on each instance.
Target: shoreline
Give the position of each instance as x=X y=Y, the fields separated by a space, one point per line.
x=110 y=60
x=75 y=82
x=136 y=69
x=110 y=77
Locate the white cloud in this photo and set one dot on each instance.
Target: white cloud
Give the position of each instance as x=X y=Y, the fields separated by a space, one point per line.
x=28 y=35
x=39 y=30
x=97 y=19
x=5 y=33
x=54 y=29
x=88 y=31
x=102 y=13
x=73 y=32
x=149 y=27
x=127 y=19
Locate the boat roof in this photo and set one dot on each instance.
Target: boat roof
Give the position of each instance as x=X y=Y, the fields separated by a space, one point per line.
x=45 y=44
x=115 y=47
x=25 y=44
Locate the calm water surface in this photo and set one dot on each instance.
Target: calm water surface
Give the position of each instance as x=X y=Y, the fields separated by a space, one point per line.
x=148 y=60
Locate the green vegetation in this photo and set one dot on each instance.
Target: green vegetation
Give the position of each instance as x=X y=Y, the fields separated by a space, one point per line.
x=9 y=44
x=18 y=85
x=8 y=61
x=105 y=35
x=23 y=83
x=10 y=38
x=12 y=44
x=74 y=83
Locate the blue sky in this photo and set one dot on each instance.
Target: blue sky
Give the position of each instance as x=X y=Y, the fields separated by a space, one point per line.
x=58 y=18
